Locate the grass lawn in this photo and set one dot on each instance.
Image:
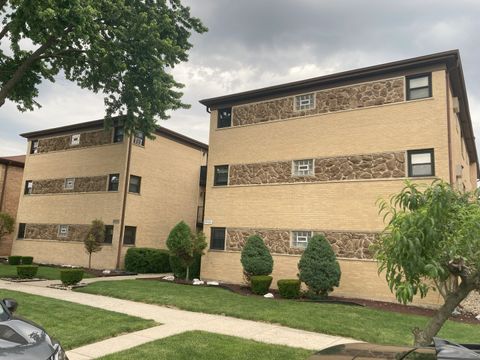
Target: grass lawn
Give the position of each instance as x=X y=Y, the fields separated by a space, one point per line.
x=73 y=324
x=351 y=321
x=44 y=272
x=201 y=345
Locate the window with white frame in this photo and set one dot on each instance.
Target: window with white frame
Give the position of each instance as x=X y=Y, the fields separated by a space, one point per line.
x=69 y=183
x=300 y=239
x=62 y=230
x=34 y=147
x=303 y=167
x=139 y=138
x=75 y=140
x=304 y=102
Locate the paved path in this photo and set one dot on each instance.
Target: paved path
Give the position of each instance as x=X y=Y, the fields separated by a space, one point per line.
x=175 y=321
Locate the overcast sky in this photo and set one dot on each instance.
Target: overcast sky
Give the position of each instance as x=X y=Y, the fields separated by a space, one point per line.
x=257 y=43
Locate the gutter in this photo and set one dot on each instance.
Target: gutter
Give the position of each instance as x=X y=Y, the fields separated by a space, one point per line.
x=449 y=132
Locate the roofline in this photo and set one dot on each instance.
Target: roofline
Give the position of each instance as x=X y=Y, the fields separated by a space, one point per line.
x=11 y=162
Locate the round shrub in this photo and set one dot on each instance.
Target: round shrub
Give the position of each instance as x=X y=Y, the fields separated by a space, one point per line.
x=289 y=288
x=255 y=258
x=14 y=260
x=180 y=271
x=27 y=260
x=147 y=260
x=318 y=267
x=260 y=284
x=71 y=276
x=27 y=271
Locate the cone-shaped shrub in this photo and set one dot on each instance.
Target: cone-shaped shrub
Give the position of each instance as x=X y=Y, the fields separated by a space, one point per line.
x=256 y=259
x=318 y=267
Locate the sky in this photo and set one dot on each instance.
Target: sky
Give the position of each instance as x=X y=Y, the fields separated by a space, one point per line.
x=258 y=43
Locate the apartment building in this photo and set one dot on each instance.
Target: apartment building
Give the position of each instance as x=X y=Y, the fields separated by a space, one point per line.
x=140 y=188
x=313 y=156
x=11 y=172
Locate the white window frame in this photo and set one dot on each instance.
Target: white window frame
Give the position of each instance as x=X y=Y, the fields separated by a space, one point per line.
x=308 y=171
x=63 y=233
x=29 y=187
x=139 y=138
x=68 y=181
x=34 y=145
x=75 y=140
x=305 y=235
x=301 y=104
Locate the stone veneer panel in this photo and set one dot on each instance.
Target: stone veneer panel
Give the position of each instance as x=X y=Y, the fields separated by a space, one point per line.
x=87 y=139
x=76 y=232
x=353 y=167
x=354 y=245
x=82 y=184
x=331 y=100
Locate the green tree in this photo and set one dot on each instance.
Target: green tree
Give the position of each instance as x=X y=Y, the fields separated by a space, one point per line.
x=256 y=258
x=318 y=267
x=431 y=242
x=7 y=224
x=94 y=240
x=124 y=49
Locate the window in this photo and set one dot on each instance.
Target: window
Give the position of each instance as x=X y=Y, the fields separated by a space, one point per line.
x=300 y=238
x=224 y=118
x=62 y=230
x=134 y=186
x=421 y=163
x=108 y=234
x=75 y=140
x=129 y=235
x=139 y=138
x=304 y=102
x=217 y=238
x=21 y=231
x=113 y=180
x=69 y=184
x=34 y=147
x=28 y=187
x=419 y=87
x=221 y=175
x=303 y=167
x=118 y=134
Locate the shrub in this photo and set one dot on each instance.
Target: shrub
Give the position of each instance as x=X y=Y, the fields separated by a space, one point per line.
x=180 y=271
x=260 y=284
x=27 y=271
x=318 y=267
x=147 y=260
x=289 y=288
x=255 y=258
x=14 y=260
x=71 y=276
x=27 y=260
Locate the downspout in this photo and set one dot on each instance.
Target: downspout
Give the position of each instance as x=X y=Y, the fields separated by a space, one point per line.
x=450 y=167
x=4 y=187
x=124 y=204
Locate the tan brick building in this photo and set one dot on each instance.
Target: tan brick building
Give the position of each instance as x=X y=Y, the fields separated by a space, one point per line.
x=11 y=173
x=140 y=188
x=313 y=156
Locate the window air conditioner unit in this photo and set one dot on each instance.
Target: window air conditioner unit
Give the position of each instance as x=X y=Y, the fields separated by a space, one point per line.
x=455 y=105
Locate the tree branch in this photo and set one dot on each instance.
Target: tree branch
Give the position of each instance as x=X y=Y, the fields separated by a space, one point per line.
x=60 y=54
x=4 y=30
x=3 y=3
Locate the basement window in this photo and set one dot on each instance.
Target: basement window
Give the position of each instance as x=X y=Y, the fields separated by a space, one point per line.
x=28 y=187
x=304 y=102
x=300 y=239
x=75 y=140
x=303 y=167
x=221 y=175
x=21 y=231
x=113 y=180
x=129 y=235
x=217 y=238
x=421 y=163
x=419 y=87
x=224 y=118
x=34 y=147
x=62 y=230
x=69 y=184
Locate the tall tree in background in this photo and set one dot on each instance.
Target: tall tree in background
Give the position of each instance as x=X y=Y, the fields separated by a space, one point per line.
x=7 y=224
x=122 y=48
x=431 y=241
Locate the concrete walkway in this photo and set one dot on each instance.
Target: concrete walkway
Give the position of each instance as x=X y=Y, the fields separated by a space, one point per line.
x=173 y=322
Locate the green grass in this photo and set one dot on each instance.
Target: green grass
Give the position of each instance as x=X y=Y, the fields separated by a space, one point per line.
x=200 y=345
x=44 y=272
x=360 y=323
x=73 y=324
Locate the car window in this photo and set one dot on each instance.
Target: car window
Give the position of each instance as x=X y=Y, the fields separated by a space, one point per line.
x=3 y=314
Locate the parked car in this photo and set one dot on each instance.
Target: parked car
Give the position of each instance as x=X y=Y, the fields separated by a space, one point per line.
x=440 y=350
x=21 y=339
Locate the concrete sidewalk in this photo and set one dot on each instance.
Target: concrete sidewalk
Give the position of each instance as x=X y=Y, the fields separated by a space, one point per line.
x=174 y=322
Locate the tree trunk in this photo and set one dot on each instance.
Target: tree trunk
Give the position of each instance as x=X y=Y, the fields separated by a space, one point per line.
x=188 y=273
x=425 y=337
x=89 y=261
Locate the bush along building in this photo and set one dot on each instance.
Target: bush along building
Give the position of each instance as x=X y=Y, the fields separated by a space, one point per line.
x=313 y=157
x=140 y=188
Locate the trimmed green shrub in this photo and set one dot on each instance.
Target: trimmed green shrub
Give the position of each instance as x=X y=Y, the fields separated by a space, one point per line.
x=147 y=260
x=180 y=271
x=318 y=267
x=260 y=284
x=255 y=258
x=289 y=288
x=27 y=260
x=27 y=271
x=14 y=260
x=71 y=276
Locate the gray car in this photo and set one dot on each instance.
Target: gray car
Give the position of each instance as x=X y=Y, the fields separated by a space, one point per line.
x=21 y=339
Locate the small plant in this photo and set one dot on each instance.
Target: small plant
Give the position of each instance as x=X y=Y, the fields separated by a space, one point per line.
x=27 y=271
x=27 y=260
x=14 y=260
x=7 y=224
x=94 y=239
x=71 y=276
x=289 y=288
x=318 y=267
x=147 y=260
x=255 y=258
x=260 y=284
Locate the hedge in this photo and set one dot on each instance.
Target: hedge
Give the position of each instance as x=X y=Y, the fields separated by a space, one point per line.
x=27 y=271
x=260 y=284
x=14 y=260
x=147 y=260
x=181 y=272
x=71 y=276
x=289 y=288
x=27 y=260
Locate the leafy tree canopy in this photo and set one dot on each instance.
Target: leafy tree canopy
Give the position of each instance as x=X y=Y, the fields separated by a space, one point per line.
x=7 y=224
x=124 y=49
